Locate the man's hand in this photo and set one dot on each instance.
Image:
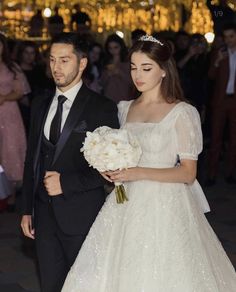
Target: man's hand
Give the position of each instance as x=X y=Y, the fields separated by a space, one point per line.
x=52 y=183
x=26 y=225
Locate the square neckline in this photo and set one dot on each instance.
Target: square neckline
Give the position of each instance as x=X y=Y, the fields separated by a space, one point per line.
x=150 y=123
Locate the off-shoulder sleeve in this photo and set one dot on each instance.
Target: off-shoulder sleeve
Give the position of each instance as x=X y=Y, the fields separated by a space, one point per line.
x=123 y=107
x=188 y=133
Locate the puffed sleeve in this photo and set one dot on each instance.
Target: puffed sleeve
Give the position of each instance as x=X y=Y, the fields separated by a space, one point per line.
x=123 y=107
x=188 y=133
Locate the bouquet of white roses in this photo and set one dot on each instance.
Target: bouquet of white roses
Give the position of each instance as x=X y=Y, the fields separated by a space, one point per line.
x=108 y=149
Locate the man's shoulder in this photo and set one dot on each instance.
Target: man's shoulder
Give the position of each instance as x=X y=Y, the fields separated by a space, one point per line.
x=42 y=97
x=102 y=100
x=99 y=101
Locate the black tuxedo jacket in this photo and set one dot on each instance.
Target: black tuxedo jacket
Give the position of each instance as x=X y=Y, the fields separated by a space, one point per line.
x=83 y=191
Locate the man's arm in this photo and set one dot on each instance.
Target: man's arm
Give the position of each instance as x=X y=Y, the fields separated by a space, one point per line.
x=28 y=183
x=28 y=177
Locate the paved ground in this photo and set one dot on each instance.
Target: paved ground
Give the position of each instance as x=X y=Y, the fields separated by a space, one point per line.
x=18 y=272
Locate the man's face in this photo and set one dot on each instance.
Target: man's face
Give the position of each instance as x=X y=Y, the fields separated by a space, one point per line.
x=66 y=66
x=230 y=38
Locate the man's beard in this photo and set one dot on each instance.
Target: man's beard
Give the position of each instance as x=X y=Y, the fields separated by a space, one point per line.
x=69 y=79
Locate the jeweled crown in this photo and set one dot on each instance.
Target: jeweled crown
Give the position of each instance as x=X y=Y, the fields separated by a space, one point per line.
x=149 y=38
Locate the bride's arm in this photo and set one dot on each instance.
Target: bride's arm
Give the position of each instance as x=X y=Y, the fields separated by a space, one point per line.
x=184 y=173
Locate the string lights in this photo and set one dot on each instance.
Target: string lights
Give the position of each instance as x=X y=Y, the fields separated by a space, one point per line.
x=111 y=15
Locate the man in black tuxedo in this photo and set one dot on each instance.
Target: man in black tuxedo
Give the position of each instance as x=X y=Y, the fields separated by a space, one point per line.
x=62 y=195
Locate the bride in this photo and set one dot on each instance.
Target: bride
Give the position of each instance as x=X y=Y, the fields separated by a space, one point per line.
x=160 y=240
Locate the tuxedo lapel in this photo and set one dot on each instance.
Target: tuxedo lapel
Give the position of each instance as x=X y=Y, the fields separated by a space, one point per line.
x=40 y=127
x=72 y=119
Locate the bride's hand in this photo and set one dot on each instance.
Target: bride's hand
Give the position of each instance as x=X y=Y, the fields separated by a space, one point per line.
x=105 y=175
x=129 y=174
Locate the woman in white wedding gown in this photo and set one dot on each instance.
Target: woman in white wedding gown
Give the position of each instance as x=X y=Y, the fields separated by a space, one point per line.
x=160 y=240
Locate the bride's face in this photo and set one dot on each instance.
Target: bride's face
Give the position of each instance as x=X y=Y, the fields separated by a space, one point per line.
x=146 y=73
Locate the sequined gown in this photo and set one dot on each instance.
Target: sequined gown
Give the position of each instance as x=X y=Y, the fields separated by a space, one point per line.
x=160 y=240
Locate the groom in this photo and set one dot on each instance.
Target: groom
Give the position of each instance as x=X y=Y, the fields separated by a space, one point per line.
x=62 y=195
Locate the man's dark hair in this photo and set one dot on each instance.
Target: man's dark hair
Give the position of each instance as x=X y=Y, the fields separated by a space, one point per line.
x=79 y=43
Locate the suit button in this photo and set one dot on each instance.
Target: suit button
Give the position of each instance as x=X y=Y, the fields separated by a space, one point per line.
x=50 y=200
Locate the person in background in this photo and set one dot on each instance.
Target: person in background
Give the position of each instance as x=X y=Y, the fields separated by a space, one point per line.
x=36 y=24
x=223 y=106
x=93 y=71
x=221 y=14
x=13 y=86
x=115 y=79
x=136 y=34
x=80 y=21
x=29 y=60
x=55 y=23
x=193 y=68
x=182 y=42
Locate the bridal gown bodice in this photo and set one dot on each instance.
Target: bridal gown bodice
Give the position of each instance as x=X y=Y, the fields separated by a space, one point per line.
x=177 y=136
x=160 y=240
x=162 y=142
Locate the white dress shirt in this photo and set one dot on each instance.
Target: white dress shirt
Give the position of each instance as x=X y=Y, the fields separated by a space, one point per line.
x=70 y=95
x=232 y=69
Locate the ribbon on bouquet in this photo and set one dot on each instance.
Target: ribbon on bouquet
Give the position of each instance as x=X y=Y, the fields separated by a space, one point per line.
x=120 y=193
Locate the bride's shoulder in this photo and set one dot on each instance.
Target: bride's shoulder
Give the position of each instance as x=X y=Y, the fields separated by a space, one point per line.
x=185 y=106
x=124 y=104
x=123 y=108
x=187 y=110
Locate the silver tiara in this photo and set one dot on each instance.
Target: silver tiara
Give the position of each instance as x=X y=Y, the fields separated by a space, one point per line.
x=149 y=38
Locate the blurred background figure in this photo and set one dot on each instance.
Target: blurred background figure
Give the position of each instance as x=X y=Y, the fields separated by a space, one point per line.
x=29 y=60
x=55 y=23
x=193 y=68
x=136 y=34
x=36 y=24
x=182 y=43
x=116 y=80
x=221 y=14
x=80 y=21
x=93 y=71
x=13 y=86
x=223 y=106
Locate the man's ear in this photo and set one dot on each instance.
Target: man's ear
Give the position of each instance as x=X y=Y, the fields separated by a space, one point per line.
x=83 y=64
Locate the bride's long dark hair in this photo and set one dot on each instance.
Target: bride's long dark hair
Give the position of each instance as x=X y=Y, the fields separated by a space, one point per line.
x=162 y=55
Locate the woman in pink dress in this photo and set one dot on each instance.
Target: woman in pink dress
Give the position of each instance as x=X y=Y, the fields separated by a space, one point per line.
x=13 y=86
x=115 y=79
